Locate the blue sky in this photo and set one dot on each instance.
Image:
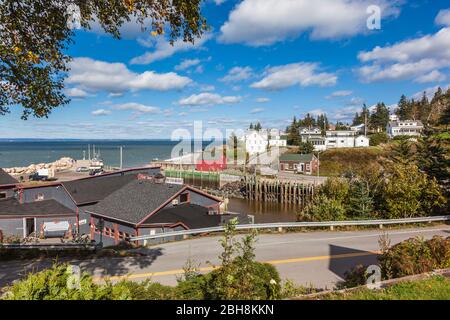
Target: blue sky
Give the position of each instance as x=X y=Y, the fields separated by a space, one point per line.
x=264 y=60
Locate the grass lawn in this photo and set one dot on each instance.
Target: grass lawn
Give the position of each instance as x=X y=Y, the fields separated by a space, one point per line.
x=434 y=288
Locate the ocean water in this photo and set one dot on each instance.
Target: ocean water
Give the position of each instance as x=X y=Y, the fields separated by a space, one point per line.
x=21 y=153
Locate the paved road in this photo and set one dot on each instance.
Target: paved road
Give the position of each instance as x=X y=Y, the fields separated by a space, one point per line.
x=317 y=258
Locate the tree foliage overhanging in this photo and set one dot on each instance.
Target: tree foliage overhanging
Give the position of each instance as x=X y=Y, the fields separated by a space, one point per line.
x=35 y=36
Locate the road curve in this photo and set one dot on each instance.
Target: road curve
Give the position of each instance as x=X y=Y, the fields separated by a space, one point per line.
x=316 y=258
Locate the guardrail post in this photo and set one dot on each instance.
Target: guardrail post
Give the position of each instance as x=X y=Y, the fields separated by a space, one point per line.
x=280 y=229
x=185 y=237
x=381 y=226
x=331 y=228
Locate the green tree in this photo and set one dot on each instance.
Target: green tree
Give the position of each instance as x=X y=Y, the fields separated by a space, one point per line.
x=305 y=147
x=360 y=201
x=35 y=37
x=380 y=117
x=409 y=192
x=445 y=116
x=378 y=138
x=404 y=109
x=402 y=151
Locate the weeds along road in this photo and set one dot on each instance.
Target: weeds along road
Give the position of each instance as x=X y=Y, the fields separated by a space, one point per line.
x=317 y=258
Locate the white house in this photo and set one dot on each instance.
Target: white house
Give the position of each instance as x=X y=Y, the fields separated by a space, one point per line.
x=404 y=128
x=258 y=141
x=345 y=139
x=314 y=136
x=393 y=117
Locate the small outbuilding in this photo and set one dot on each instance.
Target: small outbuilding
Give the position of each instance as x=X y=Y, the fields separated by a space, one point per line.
x=299 y=163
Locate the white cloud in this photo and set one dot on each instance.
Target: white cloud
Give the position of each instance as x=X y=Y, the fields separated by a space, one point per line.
x=433 y=76
x=257 y=110
x=237 y=74
x=137 y=107
x=187 y=63
x=356 y=102
x=205 y=88
x=258 y=23
x=206 y=98
x=420 y=59
x=302 y=74
x=76 y=93
x=341 y=93
x=101 y=112
x=219 y=2
x=262 y=100
x=443 y=18
x=163 y=49
x=94 y=75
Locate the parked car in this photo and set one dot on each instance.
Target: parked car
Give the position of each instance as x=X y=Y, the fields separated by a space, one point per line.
x=82 y=169
x=37 y=177
x=95 y=172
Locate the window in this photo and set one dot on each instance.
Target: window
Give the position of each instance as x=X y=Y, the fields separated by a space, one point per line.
x=184 y=198
x=2 y=195
x=39 y=197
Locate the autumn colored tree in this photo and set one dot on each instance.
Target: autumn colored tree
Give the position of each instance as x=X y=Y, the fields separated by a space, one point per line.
x=35 y=36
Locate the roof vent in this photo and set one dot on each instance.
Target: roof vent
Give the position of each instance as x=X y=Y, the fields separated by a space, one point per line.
x=175 y=202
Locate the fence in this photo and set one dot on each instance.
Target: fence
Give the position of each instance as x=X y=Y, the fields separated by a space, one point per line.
x=281 y=225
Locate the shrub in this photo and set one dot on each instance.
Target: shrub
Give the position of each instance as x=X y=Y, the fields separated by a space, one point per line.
x=323 y=208
x=378 y=138
x=146 y=290
x=415 y=256
x=355 y=277
x=335 y=188
x=52 y=284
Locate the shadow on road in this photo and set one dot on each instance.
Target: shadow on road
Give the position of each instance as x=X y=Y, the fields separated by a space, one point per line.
x=344 y=259
x=98 y=266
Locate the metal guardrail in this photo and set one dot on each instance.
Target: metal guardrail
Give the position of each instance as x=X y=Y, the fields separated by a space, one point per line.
x=281 y=225
x=46 y=246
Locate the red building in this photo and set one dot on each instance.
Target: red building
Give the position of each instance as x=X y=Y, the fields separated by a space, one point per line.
x=212 y=165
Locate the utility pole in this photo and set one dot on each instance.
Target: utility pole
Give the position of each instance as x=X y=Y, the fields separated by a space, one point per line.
x=89 y=152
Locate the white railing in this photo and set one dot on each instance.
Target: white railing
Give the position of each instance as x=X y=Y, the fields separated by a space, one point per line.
x=281 y=225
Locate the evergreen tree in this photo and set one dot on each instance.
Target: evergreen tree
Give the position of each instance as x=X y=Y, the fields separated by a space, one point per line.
x=404 y=110
x=380 y=118
x=402 y=151
x=360 y=202
x=433 y=159
x=306 y=147
x=251 y=126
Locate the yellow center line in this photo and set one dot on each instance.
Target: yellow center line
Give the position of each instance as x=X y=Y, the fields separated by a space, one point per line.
x=205 y=269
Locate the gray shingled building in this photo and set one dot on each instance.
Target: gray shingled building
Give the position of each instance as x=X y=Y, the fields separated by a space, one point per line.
x=127 y=203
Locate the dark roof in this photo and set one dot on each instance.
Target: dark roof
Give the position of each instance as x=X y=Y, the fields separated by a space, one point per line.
x=11 y=207
x=6 y=178
x=136 y=200
x=296 y=157
x=191 y=215
x=94 y=189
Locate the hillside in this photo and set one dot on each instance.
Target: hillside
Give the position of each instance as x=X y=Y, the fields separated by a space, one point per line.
x=335 y=162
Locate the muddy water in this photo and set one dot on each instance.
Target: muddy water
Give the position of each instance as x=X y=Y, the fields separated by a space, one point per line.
x=265 y=212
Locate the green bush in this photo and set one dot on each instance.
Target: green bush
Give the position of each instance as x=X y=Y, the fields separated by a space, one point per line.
x=378 y=138
x=238 y=277
x=355 y=277
x=52 y=284
x=146 y=290
x=323 y=208
x=415 y=256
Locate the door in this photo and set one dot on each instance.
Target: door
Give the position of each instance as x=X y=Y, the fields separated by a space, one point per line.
x=29 y=226
x=301 y=168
